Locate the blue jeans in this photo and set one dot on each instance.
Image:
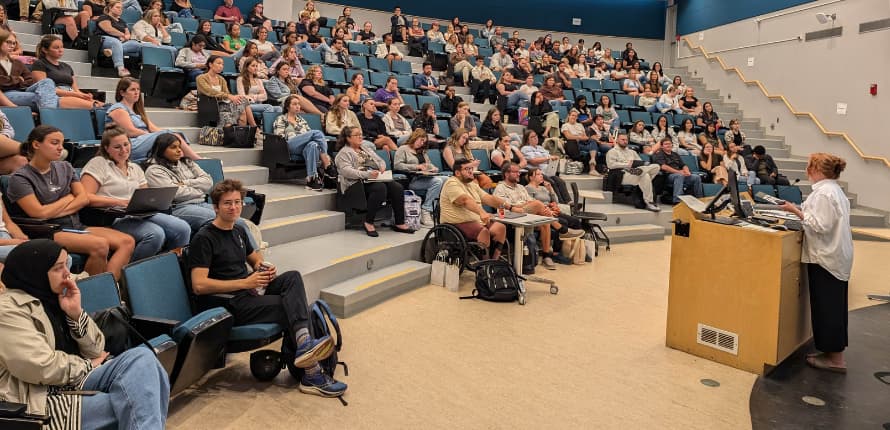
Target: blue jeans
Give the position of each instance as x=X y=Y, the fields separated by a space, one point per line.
x=432 y=185
x=680 y=181
x=154 y=234
x=555 y=104
x=41 y=94
x=259 y=108
x=119 y=49
x=515 y=99
x=134 y=393
x=5 y=249
x=198 y=214
x=752 y=178
x=658 y=106
x=310 y=146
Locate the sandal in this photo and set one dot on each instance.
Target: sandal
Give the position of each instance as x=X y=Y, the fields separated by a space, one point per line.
x=820 y=362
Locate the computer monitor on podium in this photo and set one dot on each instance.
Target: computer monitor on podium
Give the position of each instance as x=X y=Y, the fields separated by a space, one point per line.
x=719 y=201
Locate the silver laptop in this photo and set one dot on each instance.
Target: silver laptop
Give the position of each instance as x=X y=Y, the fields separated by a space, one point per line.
x=147 y=201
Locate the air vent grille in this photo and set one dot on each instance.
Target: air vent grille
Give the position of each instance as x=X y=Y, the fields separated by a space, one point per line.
x=881 y=24
x=718 y=339
x=824 y=34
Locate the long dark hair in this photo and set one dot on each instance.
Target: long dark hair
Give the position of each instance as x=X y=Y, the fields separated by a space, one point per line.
x=37 y=134
x=123 y=85
x=162 y=142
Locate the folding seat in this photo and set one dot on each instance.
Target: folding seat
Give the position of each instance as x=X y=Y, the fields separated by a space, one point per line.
x=335 y=76
x=100 y=292
x=378 y=64
x=276 y=157
x=160 y=78
x=436 y=159
x=790 y=193
x=610 y=85
x=401 y=67
x=624 y=118
x=378 y=79
x=189 y=25
x=312 y=56
x=646 y=117
x=77 y=126
x=179 y=40
x=410 y=100
x=485 y=166
x=444 y=128
x=162 y=304
x=21 y=119
x=406 y=86
x=592 y=84
x=358 y=48
x=359 y=62
x=625 y=101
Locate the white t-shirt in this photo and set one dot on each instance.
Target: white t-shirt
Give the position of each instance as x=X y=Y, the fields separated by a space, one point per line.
x=112 y=182
x=576 y=129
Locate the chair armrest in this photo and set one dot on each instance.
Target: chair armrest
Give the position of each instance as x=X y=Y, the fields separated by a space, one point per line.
x=37 y=228
x=151 y=327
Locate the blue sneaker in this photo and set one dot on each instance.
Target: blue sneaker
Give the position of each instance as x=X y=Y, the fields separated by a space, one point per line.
x=322 y=385
x=313 y=350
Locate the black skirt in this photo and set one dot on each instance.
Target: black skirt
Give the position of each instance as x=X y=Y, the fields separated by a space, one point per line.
x=828 y=308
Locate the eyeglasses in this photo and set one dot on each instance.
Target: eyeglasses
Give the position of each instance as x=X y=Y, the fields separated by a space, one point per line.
x=231 y=203
x=467 y=169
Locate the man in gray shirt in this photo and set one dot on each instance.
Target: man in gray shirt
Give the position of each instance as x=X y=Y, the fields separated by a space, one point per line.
x=622 y=157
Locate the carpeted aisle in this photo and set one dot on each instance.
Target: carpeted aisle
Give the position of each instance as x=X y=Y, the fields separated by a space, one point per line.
x=591 y=357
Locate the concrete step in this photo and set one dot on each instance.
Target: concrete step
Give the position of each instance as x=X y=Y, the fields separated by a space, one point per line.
x=354 y=295
x=768 y=143
x=287 y=229
x=585 y=182
x=872 y=234
x=328 y=259
x=25 y=27
x=864 y=217
x=635 y=233
x=790 y=164
x=99 y=83
x=248 y=175
x=191 y=133
x=625 y=215
x=70 y=55
x=284 y=200
x=168 y=118
x=229 y=156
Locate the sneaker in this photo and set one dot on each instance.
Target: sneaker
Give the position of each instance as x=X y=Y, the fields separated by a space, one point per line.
x=315 y=184
x=559 y=258
x=426 y=218
x=322 y=385
x=313 y=350
x=572 y=233
x=123 y=72
x=548 y=263
x=652 y=207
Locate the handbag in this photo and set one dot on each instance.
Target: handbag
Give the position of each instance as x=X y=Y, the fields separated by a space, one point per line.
x=210 y=136
x=552 y=168
x=452 y=276
x=437 y=271
x=120 y=335
x=574 y=250
x=237 y=136
x=589 y=245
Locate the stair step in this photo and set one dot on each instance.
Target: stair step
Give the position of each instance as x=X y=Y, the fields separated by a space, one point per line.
x=352 y=296
x=99 y=83
x=635 y=233
x=173 y=117
x=585 y=182
x=328 y=259
x=72 y=55
x=872 y=234
x=190 y=133
x=229 y=156
x=790 y=164
x=283 y=230
x=864 y=217
x=25 y=27
x=619 y=214
x=283 y=200
x=767 y=143
x=248 y=175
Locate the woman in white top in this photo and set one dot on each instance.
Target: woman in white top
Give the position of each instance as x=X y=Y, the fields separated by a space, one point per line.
x=150 y=29
x=470 y=47
x=581 y=68
x=396 y=125
x=577 y=141
x=251 y=86
x=735 y=165
x=827 y=252
x=264 y=46
x=340 y=116
x=667 y=102
x=687 y=141
x=110 y=179
x=434 y=35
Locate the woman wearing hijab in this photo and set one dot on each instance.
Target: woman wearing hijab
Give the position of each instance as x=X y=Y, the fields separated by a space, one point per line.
x=51 y=347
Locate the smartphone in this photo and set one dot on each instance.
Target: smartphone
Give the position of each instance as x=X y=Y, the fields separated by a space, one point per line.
x=71 y=230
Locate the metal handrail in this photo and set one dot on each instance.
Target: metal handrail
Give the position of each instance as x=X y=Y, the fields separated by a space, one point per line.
x=845 y=136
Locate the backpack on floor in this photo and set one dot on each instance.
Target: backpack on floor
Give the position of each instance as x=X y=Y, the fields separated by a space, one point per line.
x=412 y=210
x=496 y=281
x=321 y=322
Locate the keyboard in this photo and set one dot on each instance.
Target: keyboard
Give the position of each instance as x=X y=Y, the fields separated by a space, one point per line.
x=723 y=220
x=792 y=224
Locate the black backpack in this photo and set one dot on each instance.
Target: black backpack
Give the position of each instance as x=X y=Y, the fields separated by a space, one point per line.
x=321 y=321
x=496 y=281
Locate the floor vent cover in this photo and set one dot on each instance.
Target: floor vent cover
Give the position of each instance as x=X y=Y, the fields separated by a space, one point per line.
x=718 y=339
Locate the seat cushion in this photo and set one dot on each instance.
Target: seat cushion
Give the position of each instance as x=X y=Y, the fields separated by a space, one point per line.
x=254 y=331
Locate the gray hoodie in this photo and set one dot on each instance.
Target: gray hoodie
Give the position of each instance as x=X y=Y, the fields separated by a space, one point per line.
x=193 y=182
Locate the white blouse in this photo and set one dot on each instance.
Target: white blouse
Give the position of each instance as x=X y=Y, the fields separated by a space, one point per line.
x=828 y=240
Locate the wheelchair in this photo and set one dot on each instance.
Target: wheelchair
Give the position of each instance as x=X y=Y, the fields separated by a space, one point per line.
x=448 y=242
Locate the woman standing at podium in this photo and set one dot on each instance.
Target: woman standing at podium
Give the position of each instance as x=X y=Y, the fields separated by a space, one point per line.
x=828 y=254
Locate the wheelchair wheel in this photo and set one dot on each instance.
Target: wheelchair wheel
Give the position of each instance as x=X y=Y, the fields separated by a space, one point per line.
x=476 y=252
x=446 y=241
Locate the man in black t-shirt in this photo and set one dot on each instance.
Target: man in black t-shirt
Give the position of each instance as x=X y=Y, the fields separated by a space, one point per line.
x=217 y=258
x=677 y=171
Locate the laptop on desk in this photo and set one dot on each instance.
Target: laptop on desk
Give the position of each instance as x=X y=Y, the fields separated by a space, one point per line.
x=148 y=201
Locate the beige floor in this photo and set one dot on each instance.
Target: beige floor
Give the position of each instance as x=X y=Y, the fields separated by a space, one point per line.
x=591 y=357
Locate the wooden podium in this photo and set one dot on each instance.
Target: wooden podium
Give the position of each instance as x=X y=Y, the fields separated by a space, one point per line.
x=736 y=295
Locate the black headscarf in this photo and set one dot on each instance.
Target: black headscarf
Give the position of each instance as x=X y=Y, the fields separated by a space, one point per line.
x=27 y=266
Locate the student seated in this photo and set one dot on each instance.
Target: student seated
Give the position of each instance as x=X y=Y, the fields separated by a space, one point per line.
x=519 y=200
x=623 y=158
x=355 y=164
x=677 y=171
x=51 y=346
x=461 y=203
x=10 y=235
x=10 y=156
x=303 y=141
x=110 y=179
x=49 y=189
x=218 y=258
x=411 y=158
x=168 y=168
x=763 y=165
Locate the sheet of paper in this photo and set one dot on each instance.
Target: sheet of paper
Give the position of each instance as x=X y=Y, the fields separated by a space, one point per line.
x=383 y=177
x=694 y=203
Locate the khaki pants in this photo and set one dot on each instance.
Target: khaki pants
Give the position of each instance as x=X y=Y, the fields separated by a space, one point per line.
x=643 y=181
x=487 y=145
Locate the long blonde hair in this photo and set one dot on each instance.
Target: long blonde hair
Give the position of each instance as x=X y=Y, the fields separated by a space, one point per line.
x=453 y=143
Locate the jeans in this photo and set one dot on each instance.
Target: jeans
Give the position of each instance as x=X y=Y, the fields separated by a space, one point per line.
x=41 y=94
x=515 y=99
x=680 y=181
x=432 y=185
x=310 y=145
x=155 y=233
x=119 y=49
x=751 y=179
x=659 y=106
x=259 y=108
x=198 y=214
x=6 y=249
x=555 y=104
x=134 y=393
